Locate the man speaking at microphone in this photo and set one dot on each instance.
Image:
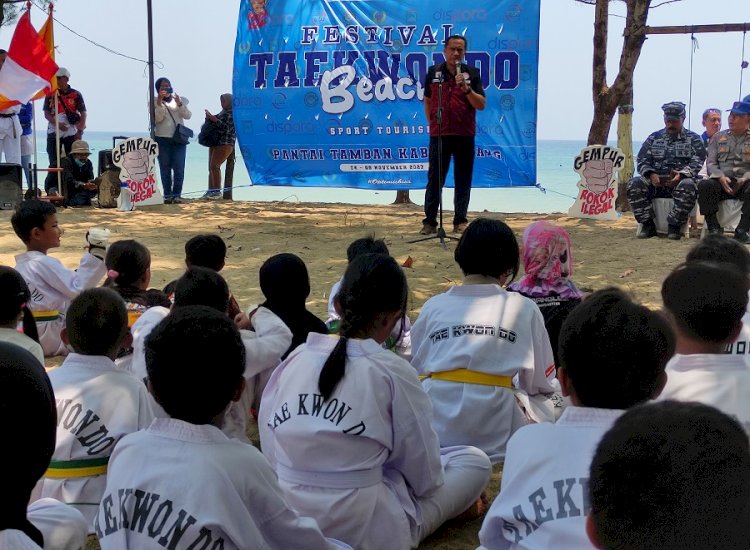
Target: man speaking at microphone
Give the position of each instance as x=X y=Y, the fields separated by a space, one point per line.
x=453 y=90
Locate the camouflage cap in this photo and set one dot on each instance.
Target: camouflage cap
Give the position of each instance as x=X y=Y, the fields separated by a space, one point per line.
x=674 y=110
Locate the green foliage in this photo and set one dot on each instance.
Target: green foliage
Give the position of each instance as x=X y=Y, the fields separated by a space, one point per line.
x=11 y=10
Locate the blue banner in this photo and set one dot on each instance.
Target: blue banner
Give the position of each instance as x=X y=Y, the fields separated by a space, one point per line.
x=330 y=92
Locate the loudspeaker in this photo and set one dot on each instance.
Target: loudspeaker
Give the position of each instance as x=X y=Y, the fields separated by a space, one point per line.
x=11 y=190
x=105 y=161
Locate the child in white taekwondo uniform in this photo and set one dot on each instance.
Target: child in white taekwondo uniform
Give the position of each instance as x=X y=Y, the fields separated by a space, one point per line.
x=201 y=489
x=25 y=390
x=483 y=350
x=14 y=311
x=264 y=345
x=53 y=285
x=670 y=476
x=718 y=248
x=348 y=427
x=612 y=357
x=707 y=302
x=97 y=403
x=399 y=340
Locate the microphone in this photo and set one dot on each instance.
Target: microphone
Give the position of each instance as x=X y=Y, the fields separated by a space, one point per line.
x=458 y=66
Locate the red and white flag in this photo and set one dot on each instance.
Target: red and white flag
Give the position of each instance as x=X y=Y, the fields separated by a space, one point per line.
x=28 y=67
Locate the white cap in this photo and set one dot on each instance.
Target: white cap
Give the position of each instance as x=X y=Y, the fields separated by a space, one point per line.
x=62 y=71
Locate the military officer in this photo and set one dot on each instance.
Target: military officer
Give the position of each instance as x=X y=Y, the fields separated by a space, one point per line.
x=668 y=163
x=728 y=168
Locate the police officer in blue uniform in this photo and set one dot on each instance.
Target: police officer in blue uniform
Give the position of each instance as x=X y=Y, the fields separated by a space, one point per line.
x=668 y=163
x=728 y=167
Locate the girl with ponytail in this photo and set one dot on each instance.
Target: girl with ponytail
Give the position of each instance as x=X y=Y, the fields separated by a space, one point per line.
x=14 y=310
x=347 y=426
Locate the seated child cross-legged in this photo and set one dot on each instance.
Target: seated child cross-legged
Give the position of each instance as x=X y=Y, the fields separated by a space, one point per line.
x=483 y=350
x=707 y=302
x=97 y=403
x=14 y=299
x=52 y=285
x=348 y=427
x=25 y=390
x=612 y=357
x=210 y=251
x=201 y=489
x=671 y=476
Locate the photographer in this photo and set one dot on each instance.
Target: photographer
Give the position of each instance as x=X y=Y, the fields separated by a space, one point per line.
x=171 y=111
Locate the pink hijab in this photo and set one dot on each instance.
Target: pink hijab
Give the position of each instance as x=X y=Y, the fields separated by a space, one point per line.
x=547 y=262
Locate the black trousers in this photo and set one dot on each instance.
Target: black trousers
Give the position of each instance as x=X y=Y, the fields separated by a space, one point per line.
x=710 y=193
x=67 y=142
x=461 y=149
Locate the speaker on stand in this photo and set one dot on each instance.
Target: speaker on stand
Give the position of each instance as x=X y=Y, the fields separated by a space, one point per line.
x=11 y=187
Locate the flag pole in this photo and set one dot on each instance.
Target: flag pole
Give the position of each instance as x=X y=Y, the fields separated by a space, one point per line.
x=151 y=106
x=57 y=145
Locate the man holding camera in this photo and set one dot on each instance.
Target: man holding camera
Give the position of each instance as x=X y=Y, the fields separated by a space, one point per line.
x=71 y=122
x=728 y=168
x=668 y=162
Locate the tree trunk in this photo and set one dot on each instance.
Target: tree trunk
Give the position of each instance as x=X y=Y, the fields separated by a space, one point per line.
x=606 y=99
x=625 y=144
x=402 y=197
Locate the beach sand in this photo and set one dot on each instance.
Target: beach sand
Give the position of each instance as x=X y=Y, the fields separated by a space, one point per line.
x=604 y=253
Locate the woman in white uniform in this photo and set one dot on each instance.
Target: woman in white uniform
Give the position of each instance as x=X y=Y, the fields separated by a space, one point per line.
x=348 y=427
x=483 y=350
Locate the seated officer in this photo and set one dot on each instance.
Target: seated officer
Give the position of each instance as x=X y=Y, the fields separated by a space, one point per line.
x=78 y=175
x=728 y=166
x=668 y=162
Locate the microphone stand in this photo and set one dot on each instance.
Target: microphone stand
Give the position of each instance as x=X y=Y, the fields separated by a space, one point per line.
x=441 y=179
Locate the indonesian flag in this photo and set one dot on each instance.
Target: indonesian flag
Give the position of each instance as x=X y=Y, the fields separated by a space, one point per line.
x=47 y=34
x=29 y=67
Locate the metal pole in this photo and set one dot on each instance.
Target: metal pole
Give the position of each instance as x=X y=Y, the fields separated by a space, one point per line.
x=60 y=190
x=151 y=106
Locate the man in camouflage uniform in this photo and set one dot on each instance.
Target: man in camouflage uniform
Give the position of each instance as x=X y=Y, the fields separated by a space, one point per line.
x=728 y=168
x=668 y=162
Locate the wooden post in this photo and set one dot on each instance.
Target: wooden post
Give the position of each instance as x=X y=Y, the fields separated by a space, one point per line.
x=625 y=144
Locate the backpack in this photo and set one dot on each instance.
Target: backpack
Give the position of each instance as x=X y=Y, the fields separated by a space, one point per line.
x=109 y=188
x=209 y=135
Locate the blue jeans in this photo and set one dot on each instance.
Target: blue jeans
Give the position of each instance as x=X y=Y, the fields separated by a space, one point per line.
x=171 y=160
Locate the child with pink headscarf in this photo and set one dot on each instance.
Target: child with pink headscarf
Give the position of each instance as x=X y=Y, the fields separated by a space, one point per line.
x=548 y=265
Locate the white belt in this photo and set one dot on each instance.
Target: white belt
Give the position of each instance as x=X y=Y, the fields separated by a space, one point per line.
x=353 y=479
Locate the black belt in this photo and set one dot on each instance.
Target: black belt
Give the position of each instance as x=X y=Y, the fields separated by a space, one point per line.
x=7 y=116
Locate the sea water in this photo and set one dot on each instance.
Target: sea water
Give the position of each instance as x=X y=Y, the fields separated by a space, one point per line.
x=556 y=179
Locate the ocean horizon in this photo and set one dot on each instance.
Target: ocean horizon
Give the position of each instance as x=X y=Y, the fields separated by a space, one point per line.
x=555 y=193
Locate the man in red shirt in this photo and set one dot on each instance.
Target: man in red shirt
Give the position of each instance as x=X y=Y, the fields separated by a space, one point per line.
x=71 y=117
x=462 y=95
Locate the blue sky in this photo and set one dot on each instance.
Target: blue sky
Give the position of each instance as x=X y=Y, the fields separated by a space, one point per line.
x=194 y=45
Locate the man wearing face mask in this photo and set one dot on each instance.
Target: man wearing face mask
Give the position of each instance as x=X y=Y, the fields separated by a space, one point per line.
x=78 y=175
x=668 y=163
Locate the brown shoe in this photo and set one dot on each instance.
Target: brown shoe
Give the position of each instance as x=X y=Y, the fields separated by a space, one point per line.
x=460 y=227
x=428 y=229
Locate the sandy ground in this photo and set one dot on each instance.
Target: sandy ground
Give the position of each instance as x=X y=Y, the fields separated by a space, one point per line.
x=604 y=253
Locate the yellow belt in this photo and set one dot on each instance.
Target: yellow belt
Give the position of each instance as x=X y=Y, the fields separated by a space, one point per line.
x=471 y=377
x=133 y=316
x=46 y=315
x=69 y=469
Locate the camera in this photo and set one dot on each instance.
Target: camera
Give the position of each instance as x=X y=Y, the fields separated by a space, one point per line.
x=170 y=90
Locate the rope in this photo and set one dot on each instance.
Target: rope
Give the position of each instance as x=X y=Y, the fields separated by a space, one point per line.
x=693 y=46
x=544 y=191
x=743 y=65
